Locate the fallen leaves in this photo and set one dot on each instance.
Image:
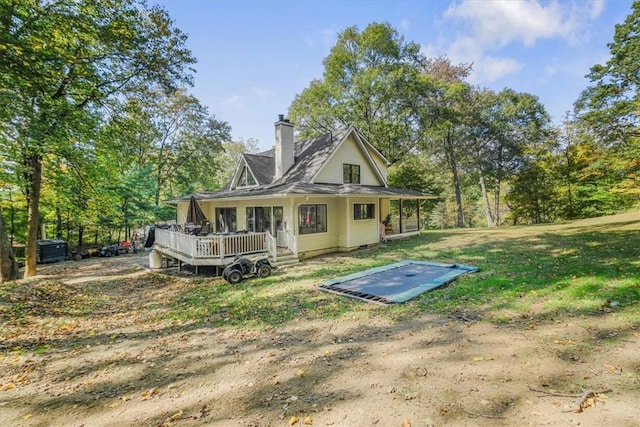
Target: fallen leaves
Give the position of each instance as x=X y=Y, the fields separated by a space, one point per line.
x=564 y=342
x=295 y=420
x=148 y=394
x=176 y=415
x=481 y=359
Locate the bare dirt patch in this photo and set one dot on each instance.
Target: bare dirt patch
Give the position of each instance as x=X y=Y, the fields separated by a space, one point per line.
x=97 y=349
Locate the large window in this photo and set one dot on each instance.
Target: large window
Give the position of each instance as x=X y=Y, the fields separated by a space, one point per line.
x=246 y=179
x=312 y=219
x=226 y=220
x=350 y=174
x=259 y=219
x=364 y=211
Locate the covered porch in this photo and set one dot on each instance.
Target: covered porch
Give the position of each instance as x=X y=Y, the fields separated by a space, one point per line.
x=401 y=217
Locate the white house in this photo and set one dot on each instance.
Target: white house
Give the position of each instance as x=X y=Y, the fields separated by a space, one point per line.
x=302 y=198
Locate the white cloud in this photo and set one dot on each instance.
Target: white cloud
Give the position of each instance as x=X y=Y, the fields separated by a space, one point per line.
x=262 y=93
x=405 y=24
x=497 y=23
x=597 y=6
x=233 y=102
x=494 y=25
x=490 y=68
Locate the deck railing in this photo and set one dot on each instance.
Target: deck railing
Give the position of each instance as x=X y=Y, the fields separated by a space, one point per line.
x=272 y=246
x=214 y=246
x=291 y=241
x=281 y=238
x=408 y=225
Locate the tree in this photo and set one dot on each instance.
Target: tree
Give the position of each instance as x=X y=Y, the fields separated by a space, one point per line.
x=610 y=107
x=418 y=173
x=612 y=104
x=438 y=99
x=507 y=129
x=171 y=133
x=63 y=60
x=534 y=194
x=8 y=265
x=367 y=78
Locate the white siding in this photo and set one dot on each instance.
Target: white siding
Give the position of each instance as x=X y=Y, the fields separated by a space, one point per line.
x=380 y=162
x=343 y=232
x=319 y=242
x=363 y=231
x=348 y=152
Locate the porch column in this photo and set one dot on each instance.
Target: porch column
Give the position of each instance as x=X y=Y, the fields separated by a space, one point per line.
x=348 y=224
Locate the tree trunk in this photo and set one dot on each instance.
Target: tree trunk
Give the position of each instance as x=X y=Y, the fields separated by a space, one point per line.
x=485 y=202
x=496 y=203
x=8 y=265
x=456 y=184
x=453 y=167
x=33 y=213
x=80 y=237
x=58 y=223
x=567 y=155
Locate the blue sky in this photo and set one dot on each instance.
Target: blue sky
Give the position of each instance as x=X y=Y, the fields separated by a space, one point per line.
x=255 y=56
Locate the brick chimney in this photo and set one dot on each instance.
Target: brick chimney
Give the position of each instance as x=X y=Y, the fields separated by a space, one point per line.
x=284 y=150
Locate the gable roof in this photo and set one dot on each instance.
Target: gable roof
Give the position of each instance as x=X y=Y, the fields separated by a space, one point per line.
x=310 y=156
x=364 y=147
x=313 y=156
x=261 y=166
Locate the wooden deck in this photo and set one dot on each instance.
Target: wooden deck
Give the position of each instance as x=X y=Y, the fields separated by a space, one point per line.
x=212 y=250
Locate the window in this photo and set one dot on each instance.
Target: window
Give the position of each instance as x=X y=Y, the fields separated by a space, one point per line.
x=350 y=174
x=364 y=211
x=259 y=219
x=312 y=219
x=246 y=178
x=225 y=220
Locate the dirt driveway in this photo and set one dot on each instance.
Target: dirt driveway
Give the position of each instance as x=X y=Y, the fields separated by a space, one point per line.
x=117 y=365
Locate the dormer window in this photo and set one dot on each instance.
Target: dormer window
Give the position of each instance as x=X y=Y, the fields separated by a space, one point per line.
x=246 y=178
x=350 y=173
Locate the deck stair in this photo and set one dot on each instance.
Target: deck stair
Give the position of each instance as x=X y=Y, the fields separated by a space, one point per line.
x=285 y=258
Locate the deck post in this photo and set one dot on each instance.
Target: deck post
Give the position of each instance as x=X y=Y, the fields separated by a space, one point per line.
x=155 y=259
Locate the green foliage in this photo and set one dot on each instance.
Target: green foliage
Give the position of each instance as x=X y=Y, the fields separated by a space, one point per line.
x=366 y=83
x=62 y=61
x=533 y=198
x=610 y=105
x=92 y=90
x=173 y=134
x=609 y=109
x=415 y=173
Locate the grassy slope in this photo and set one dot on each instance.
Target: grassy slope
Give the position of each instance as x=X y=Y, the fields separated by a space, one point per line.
x=528 y=274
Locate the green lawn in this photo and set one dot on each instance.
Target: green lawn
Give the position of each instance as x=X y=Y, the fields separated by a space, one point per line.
x=527 y=274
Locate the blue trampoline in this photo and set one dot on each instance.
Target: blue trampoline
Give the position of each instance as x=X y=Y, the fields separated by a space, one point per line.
x=396 y=283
